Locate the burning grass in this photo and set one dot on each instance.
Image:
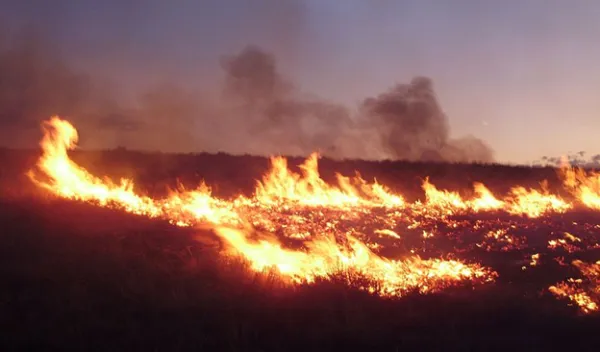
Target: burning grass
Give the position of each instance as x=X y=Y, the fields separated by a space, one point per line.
x=300 y=241
x=74 y=274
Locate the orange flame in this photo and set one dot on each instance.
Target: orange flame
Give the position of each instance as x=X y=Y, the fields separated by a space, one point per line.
x=534 y=203
x=325 y=258
x=68 y=180
x=280 y=184
x=448 y=202
x=585 y=186
x=231 y=220
x=485 y=199
x=587 y=298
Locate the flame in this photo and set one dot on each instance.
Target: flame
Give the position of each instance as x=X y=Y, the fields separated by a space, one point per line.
x=521 y=201
x=583 y=185
x=387 y=232
x=586 y=297
x=186 y=207
x=307 y=188
x=535 y=259
x=279 y=191
x=448 y=202
x=485 y=199
x=305 y=208
x=324 y=258
x=68 y=180
x=535 y=203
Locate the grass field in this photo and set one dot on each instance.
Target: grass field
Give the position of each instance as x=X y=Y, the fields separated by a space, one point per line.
x=75 y=276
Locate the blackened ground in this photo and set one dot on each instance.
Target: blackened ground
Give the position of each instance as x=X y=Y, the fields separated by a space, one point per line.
x=73 y=276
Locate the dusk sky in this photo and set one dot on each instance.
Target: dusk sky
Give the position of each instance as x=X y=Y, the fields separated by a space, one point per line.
x=520 y=74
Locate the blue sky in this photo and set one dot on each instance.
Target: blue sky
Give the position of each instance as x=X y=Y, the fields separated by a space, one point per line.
x=521 y=75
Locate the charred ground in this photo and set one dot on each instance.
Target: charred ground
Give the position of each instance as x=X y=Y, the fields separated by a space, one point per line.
x=77 y=276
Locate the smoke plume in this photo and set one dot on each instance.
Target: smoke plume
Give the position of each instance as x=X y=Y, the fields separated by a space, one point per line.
x=277 y=117
x=258 y=111
x=412 y=125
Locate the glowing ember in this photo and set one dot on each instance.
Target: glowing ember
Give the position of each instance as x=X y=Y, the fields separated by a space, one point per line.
x=388 y=233
x=535 y=259
x=585 y=295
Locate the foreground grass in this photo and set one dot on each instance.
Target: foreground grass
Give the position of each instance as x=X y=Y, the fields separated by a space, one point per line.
x=77 y=277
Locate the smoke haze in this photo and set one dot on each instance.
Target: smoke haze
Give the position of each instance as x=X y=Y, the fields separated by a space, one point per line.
x=252 y=107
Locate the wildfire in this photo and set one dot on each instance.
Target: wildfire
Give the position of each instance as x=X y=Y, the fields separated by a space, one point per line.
x=332 y=226
x=280 y=190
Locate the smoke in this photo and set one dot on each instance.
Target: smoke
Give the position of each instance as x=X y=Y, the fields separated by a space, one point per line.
x=34 y=83
x=258 y=110
x=278 y=118
x=413 y=126
x=252 y=77
x=406 y=121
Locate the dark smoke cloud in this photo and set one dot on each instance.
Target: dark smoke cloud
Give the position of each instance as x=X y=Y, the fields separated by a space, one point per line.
x=259 y=111
x=413 y=126
x=252 y=80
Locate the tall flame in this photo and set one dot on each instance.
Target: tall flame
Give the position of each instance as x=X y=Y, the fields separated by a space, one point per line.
x=307 y=188
x=67 y=179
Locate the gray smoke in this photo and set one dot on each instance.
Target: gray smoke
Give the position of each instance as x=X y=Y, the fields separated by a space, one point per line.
x=413 y=126
x=278 y=118
x=406 y=122
x=34 y=83
x=259 y=111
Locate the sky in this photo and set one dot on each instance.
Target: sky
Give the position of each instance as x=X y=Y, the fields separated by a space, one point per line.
x=520 y=74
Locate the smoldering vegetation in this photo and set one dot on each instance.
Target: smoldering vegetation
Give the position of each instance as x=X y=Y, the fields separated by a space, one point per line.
x=257 y=110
